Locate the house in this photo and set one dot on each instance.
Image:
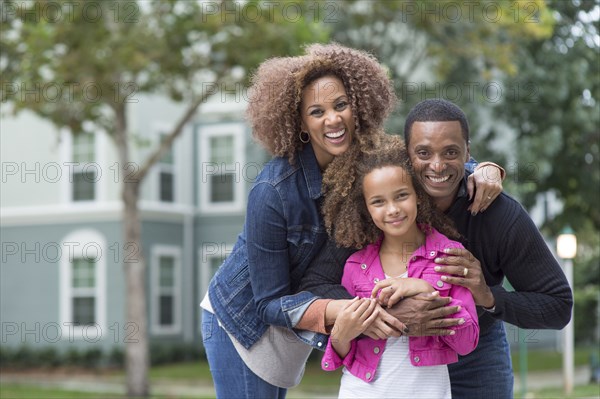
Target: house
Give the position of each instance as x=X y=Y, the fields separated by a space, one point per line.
x=62 y=280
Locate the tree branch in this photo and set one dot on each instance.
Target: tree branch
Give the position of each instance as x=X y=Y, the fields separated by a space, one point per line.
x=166 y=144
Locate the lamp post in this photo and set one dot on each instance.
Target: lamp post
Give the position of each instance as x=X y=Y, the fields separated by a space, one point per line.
x=566 y=247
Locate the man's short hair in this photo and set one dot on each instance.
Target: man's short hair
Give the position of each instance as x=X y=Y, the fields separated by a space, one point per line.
x=436 y=110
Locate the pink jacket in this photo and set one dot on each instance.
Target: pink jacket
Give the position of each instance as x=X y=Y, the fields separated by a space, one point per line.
x=363 y=269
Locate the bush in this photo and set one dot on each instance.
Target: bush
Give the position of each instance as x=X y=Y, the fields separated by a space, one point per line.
x=94 y=357
x=72 y=357
x=116 y=357
x=6 y=356
x=163 y=353
x=91 y=358
x=48 y=357
x=585 y=314
x=25 y=357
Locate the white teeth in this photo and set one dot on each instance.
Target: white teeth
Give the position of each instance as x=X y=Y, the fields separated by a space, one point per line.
x=335 y=135
x=439 y=179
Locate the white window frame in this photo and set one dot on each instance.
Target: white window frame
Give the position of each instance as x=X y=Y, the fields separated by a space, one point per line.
x=81 y=167
x=85 y=243
x=163 y=130
x=206 y=132
x=223 y=250
x=67 y=180
x=157 y=252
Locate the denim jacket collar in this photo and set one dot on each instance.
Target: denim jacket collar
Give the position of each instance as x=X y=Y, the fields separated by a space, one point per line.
x=311 y=170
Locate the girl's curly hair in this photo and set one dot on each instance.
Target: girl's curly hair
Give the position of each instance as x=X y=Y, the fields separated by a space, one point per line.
x=347 y=218
x=276 y=93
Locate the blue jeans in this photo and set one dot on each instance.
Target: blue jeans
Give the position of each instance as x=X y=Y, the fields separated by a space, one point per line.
x=232 y=378
x=487 y=371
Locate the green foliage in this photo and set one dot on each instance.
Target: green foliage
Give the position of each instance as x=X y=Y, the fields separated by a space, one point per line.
x=116 y=357
x=94 y=357
x=586 y=314
x=161 y=353
x=444 y=48
x=558 y=135
x=560 y=125
x=86 y=65
x=48 y=357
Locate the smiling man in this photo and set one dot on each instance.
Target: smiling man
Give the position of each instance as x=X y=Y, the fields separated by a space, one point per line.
x=501 y=242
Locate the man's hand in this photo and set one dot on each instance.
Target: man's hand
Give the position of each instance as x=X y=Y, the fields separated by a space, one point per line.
x=425 y=315
x=385 y=326
x=486 y=183
x=466 y=271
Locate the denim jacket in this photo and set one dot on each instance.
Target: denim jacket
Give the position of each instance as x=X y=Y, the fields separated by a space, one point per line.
x=363 y=270
x=282 y=234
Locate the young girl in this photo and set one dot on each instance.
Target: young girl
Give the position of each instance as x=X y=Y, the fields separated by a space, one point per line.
x=379 y=202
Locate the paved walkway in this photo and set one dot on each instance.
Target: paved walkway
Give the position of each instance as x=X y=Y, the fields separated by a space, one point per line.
x=181 y=389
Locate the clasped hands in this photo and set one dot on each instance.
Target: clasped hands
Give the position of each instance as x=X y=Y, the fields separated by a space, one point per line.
x=408 y=306
x=419 y=315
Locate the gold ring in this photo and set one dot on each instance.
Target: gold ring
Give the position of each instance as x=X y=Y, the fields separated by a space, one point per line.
x=465 y=272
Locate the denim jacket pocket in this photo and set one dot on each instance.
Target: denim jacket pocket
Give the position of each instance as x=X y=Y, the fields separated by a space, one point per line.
x=207 y=325
x=303 y=240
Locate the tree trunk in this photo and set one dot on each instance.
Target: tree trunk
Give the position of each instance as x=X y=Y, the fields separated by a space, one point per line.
x=136 y=325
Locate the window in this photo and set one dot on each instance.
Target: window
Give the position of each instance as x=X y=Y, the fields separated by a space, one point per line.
x=222 y=167
x=83 y=283
x=84 y=168
x=83 y=286
x=166 y=291
x=166 y=167
x=212 y=256
x=222 y=179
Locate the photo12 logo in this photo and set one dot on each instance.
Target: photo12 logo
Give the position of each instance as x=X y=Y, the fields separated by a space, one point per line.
x=71 y=11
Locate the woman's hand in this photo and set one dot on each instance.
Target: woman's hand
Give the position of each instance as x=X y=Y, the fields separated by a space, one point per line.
x=352 y=321
x=486 y=183
x=393 y=289
x=466 y=271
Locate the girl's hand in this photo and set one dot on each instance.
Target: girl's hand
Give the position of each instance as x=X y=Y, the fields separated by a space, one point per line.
x=354 y=319
x=393 y=289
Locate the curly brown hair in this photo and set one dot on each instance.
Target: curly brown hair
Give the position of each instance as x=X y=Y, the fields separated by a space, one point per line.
x=276 y=93
x=345 y=212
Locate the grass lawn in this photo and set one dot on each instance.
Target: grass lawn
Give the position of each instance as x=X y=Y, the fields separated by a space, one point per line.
x=581 y=391
x=551 y=360
x=15 y=391
x=315 y=380
x=10 y=391
x=194 y=371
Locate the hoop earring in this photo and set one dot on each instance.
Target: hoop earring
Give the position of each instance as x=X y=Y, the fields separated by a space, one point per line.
x=304 y=137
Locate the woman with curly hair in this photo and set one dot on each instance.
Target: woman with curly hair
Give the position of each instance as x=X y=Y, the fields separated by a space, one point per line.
x=381 y=204
x=305 y=111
